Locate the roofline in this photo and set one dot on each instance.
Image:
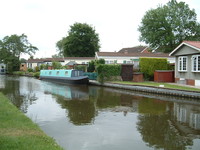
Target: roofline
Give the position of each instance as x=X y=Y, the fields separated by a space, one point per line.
x=144 y=49
x=183 y=43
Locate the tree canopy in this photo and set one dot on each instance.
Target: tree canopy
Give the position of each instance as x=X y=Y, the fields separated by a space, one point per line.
x=82 y=41
x=11 y=47
x=167 y=26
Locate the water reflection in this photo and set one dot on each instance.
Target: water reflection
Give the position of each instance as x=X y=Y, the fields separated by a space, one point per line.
x=14 y=89
x=90 y=117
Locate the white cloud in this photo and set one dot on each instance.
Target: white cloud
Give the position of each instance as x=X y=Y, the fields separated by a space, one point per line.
x=47 y=21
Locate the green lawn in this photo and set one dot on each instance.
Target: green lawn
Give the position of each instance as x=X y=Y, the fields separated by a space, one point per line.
x=156 y=84
x=18 y=132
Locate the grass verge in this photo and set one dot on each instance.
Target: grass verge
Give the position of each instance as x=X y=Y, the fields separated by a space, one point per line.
x=157 y=84
x=18 y=132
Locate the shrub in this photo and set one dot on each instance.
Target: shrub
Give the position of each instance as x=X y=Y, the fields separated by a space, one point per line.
x=149 y=65
x=19 y=73
x=108 y=72
x=30 y=70
x=56 y=65
x=81 y=67
x=100 y=61
x=42 y=66
x=93 y=63
x=91 y=66
x=36 y=74
x=37 y=69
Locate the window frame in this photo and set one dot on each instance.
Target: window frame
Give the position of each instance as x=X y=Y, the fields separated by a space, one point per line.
x=181 y=64
x=197 y=63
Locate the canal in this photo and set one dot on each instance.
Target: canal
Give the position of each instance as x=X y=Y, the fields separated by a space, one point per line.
x=97 y=118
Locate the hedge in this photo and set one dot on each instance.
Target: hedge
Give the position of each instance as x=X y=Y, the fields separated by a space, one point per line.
x=149 y=65
x=107 y=72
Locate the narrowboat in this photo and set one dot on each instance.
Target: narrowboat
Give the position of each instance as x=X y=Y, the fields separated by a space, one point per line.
x=64 y=76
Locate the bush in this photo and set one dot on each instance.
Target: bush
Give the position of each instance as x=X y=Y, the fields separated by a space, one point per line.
x=36 y=74
x=81 y=67
x=149 y=65
x=37 y=69
x=19 y=73
x=56 y=65
x=91 y=66
x=30 y=70
x=100 y=61
x=108 y=72
x=42 y=66
x=93 y=63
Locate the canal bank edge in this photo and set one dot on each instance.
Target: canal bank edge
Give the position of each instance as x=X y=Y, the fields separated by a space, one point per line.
x=17 y=131
x=148 y=89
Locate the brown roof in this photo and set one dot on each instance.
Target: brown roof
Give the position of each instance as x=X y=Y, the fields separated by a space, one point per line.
x=136 y=49
x=76 y=58
x=193 y=43
x=115 y=54
x=44 y=60
x=57 y=59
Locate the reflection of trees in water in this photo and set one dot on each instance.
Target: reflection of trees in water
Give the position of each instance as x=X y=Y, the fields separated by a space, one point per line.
x=156 y=128
x=152 y=106
x=107 y=99
x=84 y=111
x=12 y=91
x=79 y=111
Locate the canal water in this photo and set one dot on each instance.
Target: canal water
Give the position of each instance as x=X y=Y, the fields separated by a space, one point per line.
x=97 y=118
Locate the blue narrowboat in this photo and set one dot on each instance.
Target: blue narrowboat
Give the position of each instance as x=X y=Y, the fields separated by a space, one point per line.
x=64 y=76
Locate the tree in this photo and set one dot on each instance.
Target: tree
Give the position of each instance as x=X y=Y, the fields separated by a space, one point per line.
x=167 y=26
x=82 y=41
x=60 y=47
x=11 y=47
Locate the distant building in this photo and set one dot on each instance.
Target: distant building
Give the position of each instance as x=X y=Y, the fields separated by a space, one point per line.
x=32 y=63
x=77 y=60
x=136 y=49
x=130 y=58
x=67 y=61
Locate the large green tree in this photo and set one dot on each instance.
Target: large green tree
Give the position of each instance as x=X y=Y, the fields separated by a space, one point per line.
x=82 y=41
x=167 y=26
x=11 y=47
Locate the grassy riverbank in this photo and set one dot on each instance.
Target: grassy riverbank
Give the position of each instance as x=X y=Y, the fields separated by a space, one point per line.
x=18 y=132
x=156 y=84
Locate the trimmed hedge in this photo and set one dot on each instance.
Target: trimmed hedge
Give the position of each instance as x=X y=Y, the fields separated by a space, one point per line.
x=149 y=65
x=107 y=72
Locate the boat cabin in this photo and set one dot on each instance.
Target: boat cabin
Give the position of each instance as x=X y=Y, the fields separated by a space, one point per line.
x=62 y=73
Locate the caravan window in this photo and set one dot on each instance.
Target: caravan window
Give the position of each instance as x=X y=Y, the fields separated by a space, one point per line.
x=196 y=63
x=182 y=63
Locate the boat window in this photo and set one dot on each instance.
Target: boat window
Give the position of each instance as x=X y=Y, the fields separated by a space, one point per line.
x=66 y=73
x=49 y=72
x=57 y=73
x=77 y=73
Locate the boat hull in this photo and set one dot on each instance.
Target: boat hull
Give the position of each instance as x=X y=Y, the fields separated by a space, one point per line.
x=67 y=80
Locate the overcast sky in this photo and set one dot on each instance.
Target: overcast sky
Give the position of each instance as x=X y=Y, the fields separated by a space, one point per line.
x=46 y=21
